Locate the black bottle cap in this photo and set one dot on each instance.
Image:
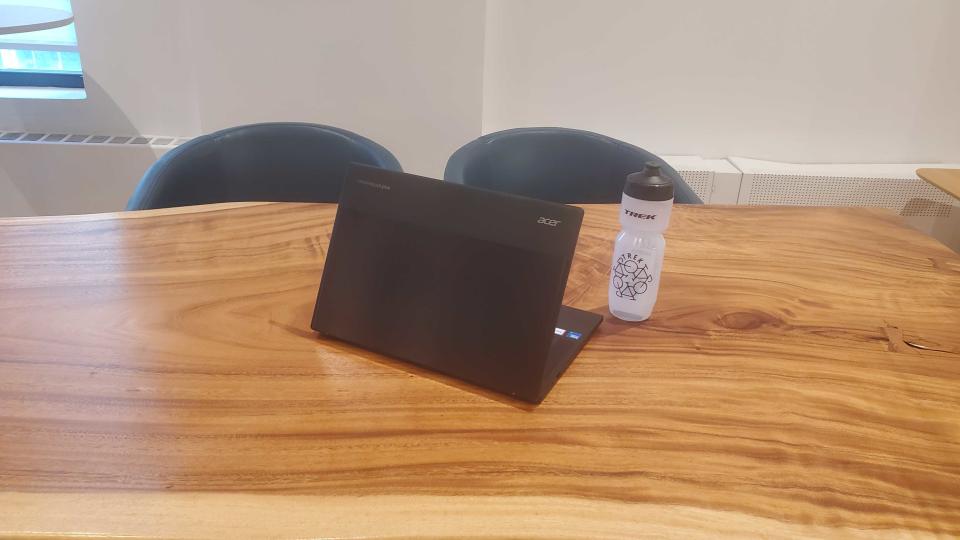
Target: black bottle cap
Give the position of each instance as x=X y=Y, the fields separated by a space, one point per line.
x=649 y=184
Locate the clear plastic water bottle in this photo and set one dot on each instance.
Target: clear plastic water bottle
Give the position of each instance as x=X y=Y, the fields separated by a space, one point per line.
x=638 y=250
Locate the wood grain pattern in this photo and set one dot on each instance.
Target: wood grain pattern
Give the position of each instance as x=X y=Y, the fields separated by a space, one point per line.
x=946 y=179
x=158 y=378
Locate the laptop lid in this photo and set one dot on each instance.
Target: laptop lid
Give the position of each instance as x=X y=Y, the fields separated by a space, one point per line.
x=460 y=280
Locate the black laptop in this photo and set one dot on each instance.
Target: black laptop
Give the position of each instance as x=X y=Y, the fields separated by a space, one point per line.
x=463 y=281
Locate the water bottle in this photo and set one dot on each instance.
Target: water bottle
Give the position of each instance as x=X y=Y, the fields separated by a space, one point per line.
x=638 y=250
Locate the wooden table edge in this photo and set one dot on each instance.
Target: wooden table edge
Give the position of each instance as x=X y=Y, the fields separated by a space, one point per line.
x=130 y=214
x=209 y=514
x=216 y=207
x=924 y=173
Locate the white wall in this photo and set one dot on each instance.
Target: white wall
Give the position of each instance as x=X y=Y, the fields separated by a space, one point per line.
x=406 y=74
x=788 y=80
x=785 y=80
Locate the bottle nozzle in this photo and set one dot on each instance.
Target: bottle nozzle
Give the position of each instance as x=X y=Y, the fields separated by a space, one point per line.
x=650 y=184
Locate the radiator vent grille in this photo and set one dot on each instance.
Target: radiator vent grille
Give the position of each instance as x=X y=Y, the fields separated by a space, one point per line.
x=79 y=138
x=906 y=196
x=701 y=182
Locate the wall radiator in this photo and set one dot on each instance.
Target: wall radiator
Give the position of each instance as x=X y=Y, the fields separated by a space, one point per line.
x=63 y=173
x=70 y=173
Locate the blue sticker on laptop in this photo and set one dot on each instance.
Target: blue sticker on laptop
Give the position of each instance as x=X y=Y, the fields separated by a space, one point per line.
x=574 y=335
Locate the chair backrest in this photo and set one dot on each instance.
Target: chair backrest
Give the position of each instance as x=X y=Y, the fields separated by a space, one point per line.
x=280 y=161
x=556 y=164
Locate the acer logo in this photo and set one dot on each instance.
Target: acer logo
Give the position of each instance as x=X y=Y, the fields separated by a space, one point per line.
x=548 y=221
x=638 y=215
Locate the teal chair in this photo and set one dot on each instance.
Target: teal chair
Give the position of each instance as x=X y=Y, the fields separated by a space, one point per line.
x=556 y=164
x=285 y=161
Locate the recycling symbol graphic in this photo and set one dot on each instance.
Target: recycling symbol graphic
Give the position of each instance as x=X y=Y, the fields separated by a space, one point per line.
x=630 y=276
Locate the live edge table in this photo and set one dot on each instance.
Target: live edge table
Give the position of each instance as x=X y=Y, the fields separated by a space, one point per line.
x=800 y=377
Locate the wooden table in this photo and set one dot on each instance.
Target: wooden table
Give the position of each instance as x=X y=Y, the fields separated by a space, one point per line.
x=946 y=179
x=158 y=377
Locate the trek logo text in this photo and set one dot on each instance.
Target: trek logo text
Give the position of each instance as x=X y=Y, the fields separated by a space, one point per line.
x=638 y=215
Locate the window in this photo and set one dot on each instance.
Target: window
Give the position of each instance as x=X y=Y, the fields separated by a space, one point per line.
x=40 y=63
